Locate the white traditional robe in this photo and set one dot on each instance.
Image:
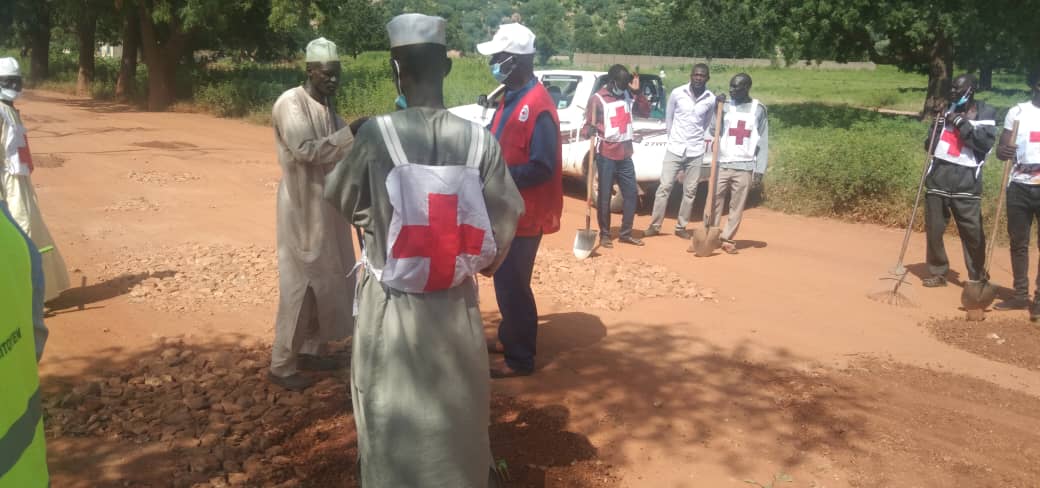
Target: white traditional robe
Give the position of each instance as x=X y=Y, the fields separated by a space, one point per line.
x=16 y=188
x=314 y=246
x=419 y=374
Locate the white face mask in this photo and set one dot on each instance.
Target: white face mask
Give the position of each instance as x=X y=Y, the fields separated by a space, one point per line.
x=8 y=94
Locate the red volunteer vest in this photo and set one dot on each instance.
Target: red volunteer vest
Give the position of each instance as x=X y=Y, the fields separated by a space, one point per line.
x=543 y=204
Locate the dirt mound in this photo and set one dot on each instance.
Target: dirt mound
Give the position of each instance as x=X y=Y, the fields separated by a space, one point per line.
x=607 y=282
x=138 y=204
x=1000 y=338
x=210 y=419
x=160 y=177
x=187 y=277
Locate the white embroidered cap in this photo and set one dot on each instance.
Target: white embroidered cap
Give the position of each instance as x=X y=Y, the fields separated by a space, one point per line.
x=9 y=67
x=510 y=38
x=321 y=50
x=407 y=29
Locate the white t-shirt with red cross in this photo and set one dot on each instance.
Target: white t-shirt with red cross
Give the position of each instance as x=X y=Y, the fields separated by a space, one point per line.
x=1027 y=164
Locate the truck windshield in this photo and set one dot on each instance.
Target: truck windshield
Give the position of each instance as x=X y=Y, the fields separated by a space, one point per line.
x=561 y=88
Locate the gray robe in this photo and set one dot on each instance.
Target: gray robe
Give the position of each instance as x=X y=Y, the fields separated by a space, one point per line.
x=419 y=375
x=315 y=253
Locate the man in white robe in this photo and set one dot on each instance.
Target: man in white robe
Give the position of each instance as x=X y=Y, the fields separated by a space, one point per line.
x=419 y=373
x=315 y=253
x=16 y=187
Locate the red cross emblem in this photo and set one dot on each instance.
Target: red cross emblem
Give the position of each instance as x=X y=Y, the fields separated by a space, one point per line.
x=621 y=119
x=1034 y=137
x=441 y=241
x=24 y=156
x=954 y=141
x=740 y=132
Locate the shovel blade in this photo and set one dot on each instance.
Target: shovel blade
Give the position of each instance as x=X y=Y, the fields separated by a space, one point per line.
x=705 y=241
x=977 y=295
x=584 y=243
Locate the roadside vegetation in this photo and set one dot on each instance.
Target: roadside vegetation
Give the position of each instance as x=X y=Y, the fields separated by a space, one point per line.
x=833 y=153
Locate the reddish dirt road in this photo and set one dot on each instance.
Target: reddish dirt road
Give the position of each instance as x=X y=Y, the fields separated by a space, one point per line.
x=656 y=369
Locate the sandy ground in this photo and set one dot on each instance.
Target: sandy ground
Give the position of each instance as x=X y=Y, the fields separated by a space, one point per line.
x=655 y=368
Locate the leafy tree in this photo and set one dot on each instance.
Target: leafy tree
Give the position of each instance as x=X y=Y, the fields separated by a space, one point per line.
x=547 y=18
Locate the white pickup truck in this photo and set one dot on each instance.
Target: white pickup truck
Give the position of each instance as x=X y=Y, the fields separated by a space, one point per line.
x=571 y=90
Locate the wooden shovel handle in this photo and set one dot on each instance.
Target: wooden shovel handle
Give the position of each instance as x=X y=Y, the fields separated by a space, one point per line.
x=709 y=211
x=1000 y=202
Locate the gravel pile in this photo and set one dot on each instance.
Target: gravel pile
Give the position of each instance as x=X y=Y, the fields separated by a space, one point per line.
x=607 y=282
x=186 y=277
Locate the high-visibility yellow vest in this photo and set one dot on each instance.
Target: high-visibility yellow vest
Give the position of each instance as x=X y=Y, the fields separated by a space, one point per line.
x=23 y=453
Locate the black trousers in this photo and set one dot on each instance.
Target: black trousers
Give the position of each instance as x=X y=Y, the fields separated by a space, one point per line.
x=1023 y=206
x=954 y=190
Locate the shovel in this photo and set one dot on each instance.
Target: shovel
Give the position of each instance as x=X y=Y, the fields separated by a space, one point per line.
x=585 y=240
x=977 y=295
x=707 y=239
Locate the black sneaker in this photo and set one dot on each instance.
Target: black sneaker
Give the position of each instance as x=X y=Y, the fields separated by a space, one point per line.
x=934 y=281
x=293 y=382
x=683 y=234
x=1034 y=309
x=1016 y=303
x=630 y=240
x=651 y=231
x=605 y=242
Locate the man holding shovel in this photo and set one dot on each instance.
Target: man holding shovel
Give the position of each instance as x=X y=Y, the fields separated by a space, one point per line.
x=1023 y=193
x=609 y=114
x=954 y=181
x=528 y=130
x=743 y=154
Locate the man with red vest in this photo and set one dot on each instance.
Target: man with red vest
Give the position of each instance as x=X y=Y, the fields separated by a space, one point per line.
x=528 y=129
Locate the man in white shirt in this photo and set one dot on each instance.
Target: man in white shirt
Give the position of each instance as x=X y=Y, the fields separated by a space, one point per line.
x=689 y=112
x=1023 y=192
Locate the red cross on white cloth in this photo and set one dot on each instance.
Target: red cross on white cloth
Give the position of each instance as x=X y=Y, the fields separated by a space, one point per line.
x=954 y=141
x=740 y=132
x=620 y=119
x=24 y=155
x=1034 y=137
x=442 y=240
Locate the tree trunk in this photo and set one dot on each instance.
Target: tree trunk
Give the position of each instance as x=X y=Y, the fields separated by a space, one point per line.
x=940 y=72
x=40 y=40
x=986 y=77
x=86 y=27
x=161 y=59
x=128 y=64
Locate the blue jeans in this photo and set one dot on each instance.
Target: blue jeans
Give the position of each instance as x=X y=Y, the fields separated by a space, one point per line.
x=625 y=174
x=518 y=331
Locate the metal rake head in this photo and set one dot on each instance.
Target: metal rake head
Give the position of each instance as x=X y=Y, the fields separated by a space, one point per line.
x=893 y=297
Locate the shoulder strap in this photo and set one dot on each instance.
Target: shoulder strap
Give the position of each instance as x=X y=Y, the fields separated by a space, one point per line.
x=476 y=148
x=393 y=143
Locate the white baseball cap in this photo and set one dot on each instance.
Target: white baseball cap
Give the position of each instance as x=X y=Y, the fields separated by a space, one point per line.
x=510 y=38
x=9 y=67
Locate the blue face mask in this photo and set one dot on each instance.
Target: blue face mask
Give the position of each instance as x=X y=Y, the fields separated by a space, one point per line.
x=964 y=99
x=400 y=102
x=496 y=70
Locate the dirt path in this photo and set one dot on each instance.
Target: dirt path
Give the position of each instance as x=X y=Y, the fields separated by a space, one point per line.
x=656 y=369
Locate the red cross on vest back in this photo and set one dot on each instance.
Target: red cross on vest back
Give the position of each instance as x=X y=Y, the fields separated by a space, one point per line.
x=24 y=155
x=740 y=132
x=1034 y=137
x=441 y=241
x=621 y=119
x=954 y=141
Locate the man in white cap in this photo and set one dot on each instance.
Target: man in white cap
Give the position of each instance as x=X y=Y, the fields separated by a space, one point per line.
x=437 y=205
x=528 y=129
x=315 y=254
x=16 y=187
